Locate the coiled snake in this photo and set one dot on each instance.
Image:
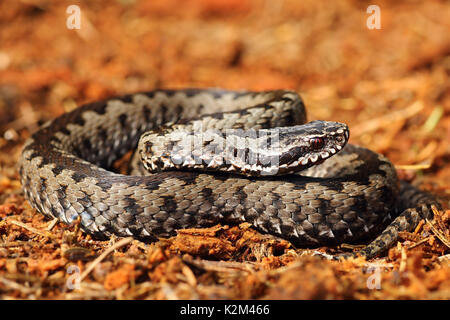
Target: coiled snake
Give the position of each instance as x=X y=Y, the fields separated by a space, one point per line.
x=353 y=196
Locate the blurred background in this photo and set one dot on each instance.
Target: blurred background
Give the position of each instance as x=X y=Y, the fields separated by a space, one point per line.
x=391 y=85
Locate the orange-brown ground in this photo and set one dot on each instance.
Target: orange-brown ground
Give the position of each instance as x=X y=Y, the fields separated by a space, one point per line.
x=390 y=85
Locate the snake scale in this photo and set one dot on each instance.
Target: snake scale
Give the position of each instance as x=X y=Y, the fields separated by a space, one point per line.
x=66 y=171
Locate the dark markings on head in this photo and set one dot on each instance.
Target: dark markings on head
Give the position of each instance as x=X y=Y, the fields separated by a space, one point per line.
x=43 y=161
x=217 y=93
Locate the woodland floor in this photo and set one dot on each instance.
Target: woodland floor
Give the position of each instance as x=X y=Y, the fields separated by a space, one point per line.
x=391 y=86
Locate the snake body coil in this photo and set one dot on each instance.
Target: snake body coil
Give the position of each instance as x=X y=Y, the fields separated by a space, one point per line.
x=351 y=197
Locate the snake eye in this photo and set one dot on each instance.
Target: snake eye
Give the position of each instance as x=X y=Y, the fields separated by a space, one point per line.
x=316 y=143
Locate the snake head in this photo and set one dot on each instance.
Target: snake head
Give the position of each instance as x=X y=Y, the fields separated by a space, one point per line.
x=312 y=143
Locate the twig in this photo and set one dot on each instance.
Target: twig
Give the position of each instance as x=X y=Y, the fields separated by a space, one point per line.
x=52 y=224
x=115 y=246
